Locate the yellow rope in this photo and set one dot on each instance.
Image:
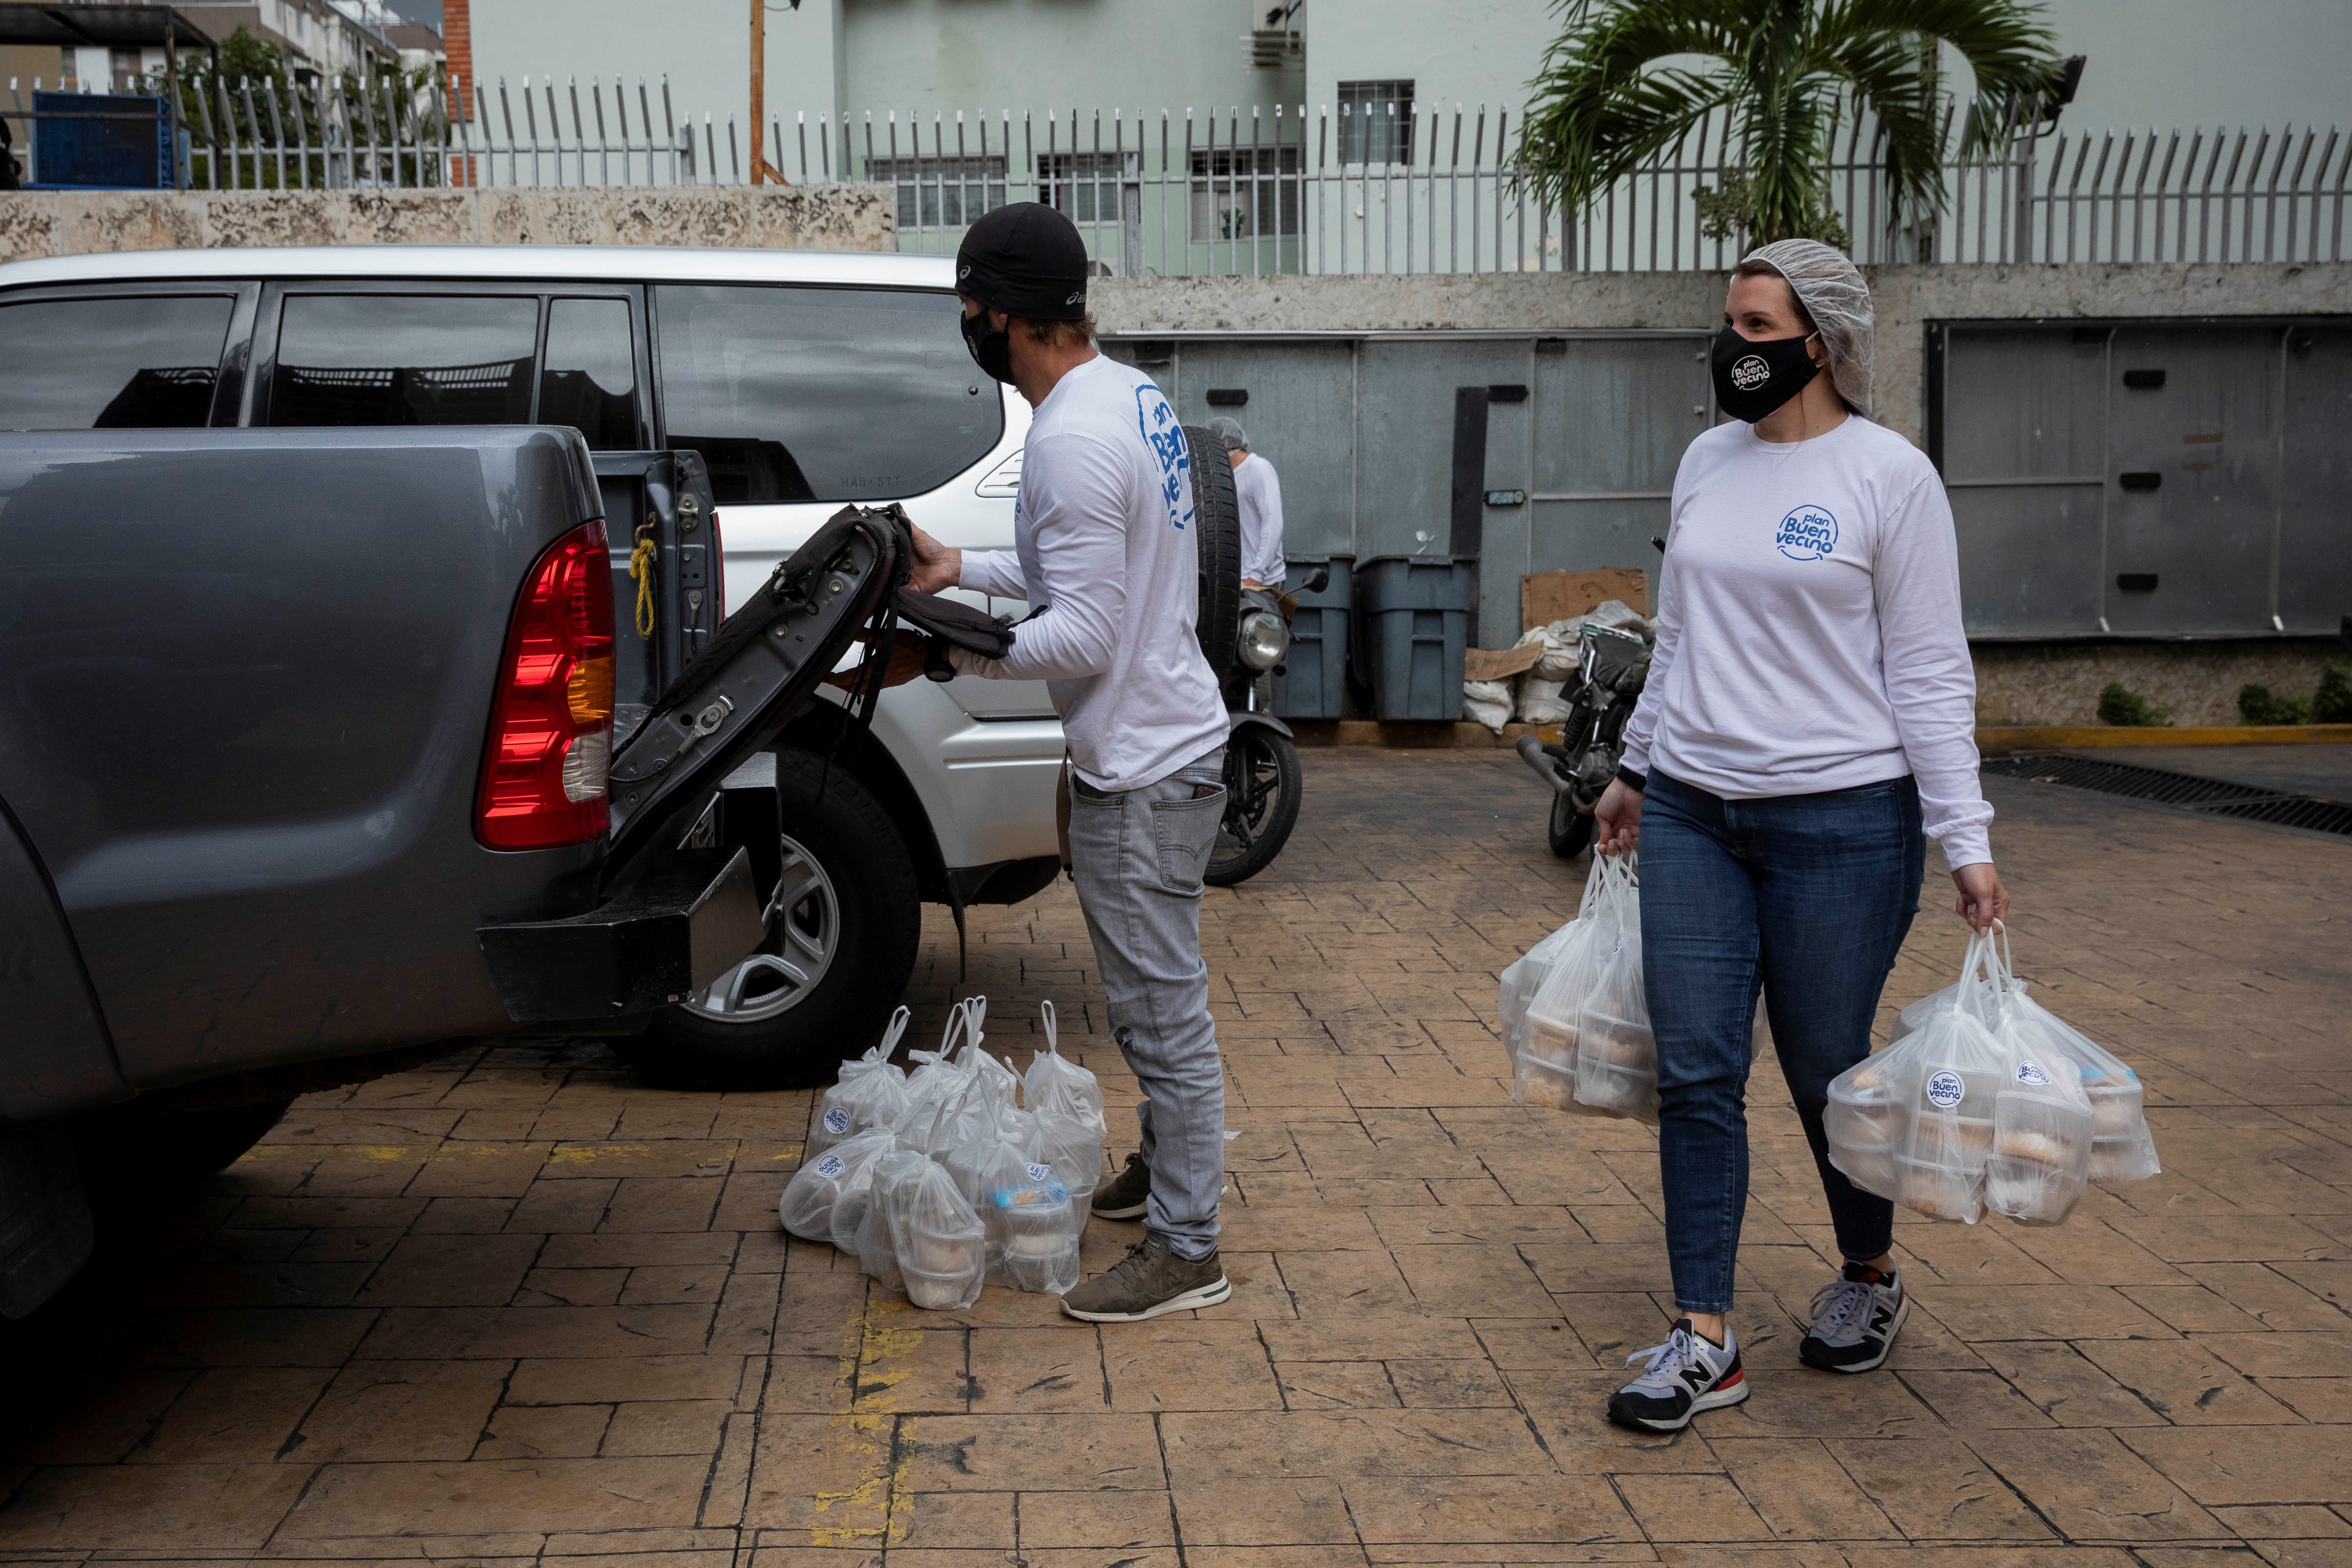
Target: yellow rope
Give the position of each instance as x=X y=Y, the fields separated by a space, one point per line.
x=641 y=569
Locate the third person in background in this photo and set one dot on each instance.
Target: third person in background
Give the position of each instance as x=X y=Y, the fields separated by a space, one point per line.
x=1810 y=714
x=1258 y=491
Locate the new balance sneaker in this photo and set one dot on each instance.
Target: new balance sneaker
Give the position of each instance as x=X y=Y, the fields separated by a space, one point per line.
x=1855 y=1320
x=1149 y=1282
x=1684 y=1376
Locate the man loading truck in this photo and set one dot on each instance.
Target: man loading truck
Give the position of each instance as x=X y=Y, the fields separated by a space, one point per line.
x=1104 y=555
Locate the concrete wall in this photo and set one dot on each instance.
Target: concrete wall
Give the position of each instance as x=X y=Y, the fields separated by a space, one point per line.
x=818 y=217
x=1907 y=298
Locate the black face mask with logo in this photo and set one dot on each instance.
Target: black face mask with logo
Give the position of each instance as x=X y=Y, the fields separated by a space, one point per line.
x=992 y=347
x=1753 y=378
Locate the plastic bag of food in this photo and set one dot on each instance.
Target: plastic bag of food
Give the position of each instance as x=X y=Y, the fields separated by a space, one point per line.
x=812 y=1196
x=877 y=1247
x=1538 y=1003
x=1054 y=1078
x=2041 y=1128
x=1033 y=1233
x=870 y=1093
x=1915 y=1121
x=2122 y=1148
x=1616 y=1057
x=942 y=1249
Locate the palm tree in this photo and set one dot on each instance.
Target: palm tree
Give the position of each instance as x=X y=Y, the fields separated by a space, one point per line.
x=1630 y=78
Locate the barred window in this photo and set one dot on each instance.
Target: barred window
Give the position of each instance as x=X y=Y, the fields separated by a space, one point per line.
x=942 y=192
x=1245 y=192
x=1376 y=121
x=1086 y=185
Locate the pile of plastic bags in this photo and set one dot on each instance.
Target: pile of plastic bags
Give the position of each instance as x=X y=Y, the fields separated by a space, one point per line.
x=943 y=1180
x=1536 y=697
x=1573 y=1009
x=1987 y=1100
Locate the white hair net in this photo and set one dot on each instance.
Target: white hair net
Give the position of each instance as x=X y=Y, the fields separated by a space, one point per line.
x=1229 y=432
x=1831 y=290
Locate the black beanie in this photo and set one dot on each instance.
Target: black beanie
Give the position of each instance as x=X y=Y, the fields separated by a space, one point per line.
x=1026 y=260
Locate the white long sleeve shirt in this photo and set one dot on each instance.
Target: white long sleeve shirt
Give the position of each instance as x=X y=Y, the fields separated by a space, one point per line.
x=1809 y=629
x=1103 y=551
x=1258 y=490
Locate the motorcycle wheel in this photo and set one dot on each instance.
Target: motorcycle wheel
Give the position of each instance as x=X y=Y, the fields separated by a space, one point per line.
x=1570 y=830
x=1262 y=786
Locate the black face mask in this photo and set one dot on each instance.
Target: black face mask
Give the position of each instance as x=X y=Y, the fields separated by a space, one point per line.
x=992 y=348
x=1752 y=378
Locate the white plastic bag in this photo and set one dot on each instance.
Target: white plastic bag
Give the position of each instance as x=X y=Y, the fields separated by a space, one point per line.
x=877 y=1249
x=941 y=1247
x=1068 y=1102
x=810 y=1198
x=1587 y=1045
x=870 y=1093
x=1914 y=1122
x=1054 y=1078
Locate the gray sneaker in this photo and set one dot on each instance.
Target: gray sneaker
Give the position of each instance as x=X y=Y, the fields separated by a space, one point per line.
x=1149 y=1282
x=1124 y=1196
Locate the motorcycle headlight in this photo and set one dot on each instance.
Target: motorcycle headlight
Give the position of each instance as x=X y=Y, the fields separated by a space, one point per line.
x=1263 y=639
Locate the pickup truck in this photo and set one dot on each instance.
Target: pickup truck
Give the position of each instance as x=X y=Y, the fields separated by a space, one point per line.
x=324 y=750
x=787 y=384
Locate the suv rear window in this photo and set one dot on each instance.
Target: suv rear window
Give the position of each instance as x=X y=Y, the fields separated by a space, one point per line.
x=121 y=362
x=404 y=359
x=796 y=394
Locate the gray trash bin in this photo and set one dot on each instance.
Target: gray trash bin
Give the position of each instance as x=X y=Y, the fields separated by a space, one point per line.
x=1314 y=679
x=1413 y=617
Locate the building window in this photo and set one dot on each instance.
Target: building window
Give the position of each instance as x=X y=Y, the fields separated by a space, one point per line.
x=941 y=192
x=1376 y=121
x=1086 y=185
x=1245 y=192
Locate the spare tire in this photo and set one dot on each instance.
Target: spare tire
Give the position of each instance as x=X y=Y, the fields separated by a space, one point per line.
x=1217 y=536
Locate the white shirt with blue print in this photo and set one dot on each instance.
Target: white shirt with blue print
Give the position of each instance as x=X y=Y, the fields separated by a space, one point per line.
x=1809 y=629
x=1103 y=550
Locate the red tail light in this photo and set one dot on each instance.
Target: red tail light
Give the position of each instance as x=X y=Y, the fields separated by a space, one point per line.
x=551 y=745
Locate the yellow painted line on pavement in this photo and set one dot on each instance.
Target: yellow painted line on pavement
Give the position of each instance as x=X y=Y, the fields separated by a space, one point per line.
x=871 y=1448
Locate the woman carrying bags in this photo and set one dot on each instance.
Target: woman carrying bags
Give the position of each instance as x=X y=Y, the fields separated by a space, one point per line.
x=1809 y=713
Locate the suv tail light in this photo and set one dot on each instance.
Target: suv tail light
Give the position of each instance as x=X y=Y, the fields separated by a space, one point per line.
x=551 y=744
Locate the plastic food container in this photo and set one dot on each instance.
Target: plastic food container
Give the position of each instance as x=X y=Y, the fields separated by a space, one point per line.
x=1542 y=1083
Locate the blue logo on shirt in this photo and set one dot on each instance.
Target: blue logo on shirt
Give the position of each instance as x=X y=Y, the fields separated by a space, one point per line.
x=1156 y=422
x=1808 y=533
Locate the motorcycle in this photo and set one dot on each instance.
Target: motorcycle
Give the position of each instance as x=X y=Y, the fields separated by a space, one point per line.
x=1262 y=773
x=1611 y=667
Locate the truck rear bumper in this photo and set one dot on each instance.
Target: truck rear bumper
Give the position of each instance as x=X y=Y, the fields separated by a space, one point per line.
x=669 y=928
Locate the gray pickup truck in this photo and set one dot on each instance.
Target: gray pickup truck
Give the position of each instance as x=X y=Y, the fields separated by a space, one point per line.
x=323 y=750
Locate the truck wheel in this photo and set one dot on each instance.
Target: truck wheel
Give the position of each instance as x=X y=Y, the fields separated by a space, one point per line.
x=842 y=933
x=1217 y=540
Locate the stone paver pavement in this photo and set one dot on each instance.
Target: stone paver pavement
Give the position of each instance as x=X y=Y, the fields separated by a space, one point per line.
x=517 y=1306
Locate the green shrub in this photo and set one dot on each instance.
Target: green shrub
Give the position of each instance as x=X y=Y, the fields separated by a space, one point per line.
x=2333 y=705
x=2257 y=706
x=2129 y=709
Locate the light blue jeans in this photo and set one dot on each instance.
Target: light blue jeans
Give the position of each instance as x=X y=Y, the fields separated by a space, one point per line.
x=1138 y=857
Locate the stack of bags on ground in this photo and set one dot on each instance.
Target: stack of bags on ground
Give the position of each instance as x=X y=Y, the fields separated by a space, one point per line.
x=1988 y=1100
x=1534 y=695
x=960 y=1173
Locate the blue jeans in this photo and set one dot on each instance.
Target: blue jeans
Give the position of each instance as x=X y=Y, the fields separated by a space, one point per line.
x=1809 y=897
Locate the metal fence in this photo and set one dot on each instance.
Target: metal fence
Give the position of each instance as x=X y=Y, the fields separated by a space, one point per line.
x=1384 y=187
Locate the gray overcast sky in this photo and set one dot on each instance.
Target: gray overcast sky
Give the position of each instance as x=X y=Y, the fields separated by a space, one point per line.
x=426 y=10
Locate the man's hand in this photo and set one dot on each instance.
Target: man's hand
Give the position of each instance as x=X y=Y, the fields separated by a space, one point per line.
x=1983 y=902
x=907 y=658
x=1619 y=818
x=937 y=567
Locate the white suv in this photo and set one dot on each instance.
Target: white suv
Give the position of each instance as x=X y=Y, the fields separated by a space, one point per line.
x=804 y=381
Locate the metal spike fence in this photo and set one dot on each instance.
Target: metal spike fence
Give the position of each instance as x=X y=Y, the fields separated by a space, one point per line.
x=1389 y=187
